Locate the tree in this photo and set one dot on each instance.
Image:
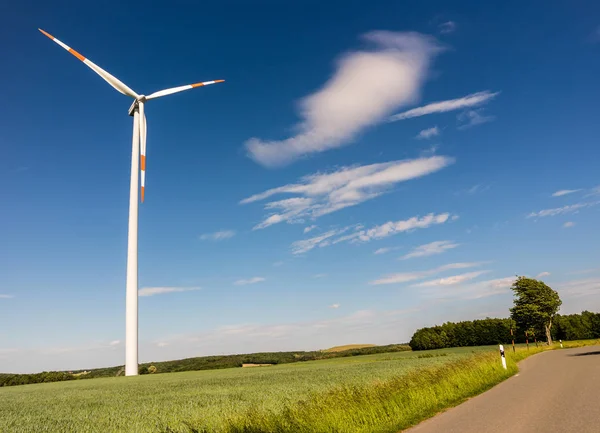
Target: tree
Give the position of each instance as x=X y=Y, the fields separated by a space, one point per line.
x=536 y=304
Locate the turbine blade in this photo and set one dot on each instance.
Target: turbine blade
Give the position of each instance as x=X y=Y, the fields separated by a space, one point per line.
x=181 y=89
x=113 y=81
x=143 y=132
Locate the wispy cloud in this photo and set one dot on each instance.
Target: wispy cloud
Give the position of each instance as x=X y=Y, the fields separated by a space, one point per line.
x=475 y=189
x=584 y=271
x=568 y=224
x=594 y=191
x=542 y=275
x=451 y=281
x=335 y=306
x=437 y=247
x=218 y=236
x=577 y=288
x=115 y=343
x=319 y=194
x=151 y=291
x=562 y=210
x=428 y=133
x=562 y=192
x=366 y=87
x=477 y=290
x=6 y=296
x=253 y=280
x=359 y=234
x=309 y=228
x=447 y=27
x=419 y=275
x=305 y=245
x=279 y=263
x=319 y=275
x=472 y=118
x=385 y=250
x=472 y=100
x=394 y=227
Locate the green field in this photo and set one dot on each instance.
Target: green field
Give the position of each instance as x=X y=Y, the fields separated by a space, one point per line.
x=203 y=398
x=366 y=393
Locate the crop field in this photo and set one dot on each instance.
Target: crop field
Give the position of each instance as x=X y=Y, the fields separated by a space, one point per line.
x=362 y=393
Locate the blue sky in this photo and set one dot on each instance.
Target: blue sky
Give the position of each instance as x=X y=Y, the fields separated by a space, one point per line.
x=363 y=171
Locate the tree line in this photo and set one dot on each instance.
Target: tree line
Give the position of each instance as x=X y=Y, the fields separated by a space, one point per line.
x=197 y=363
x=498 y=331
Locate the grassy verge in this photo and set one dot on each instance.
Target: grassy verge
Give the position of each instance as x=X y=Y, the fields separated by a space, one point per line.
x=387 y=406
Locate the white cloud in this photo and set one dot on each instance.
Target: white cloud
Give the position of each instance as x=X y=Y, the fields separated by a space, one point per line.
x=475 y=189
x=307 y=335
x=561 y=210
x=115 y=343
x=306 y=245
x=447 y=27
x=568 y=224
x=542 y=274
x=393 y=227
x=473 y=117
x=162 y=344
x=418 y=275
x=593 y=191
x=367 y=87
x=428 y=133
x=562 y=192
x=6 y=296
x=577 y=288
x=385 y=250
x=430 y=249
x=584 y=271
x=218 y=236
x=151 y=291
x=252 y=280
x=309 y=228
x=365 y=235
x=472 y=100
x=323 y=193
x=450 y=281
x=478 y=290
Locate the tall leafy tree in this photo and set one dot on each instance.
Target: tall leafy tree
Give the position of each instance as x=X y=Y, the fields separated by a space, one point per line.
x=535 y=305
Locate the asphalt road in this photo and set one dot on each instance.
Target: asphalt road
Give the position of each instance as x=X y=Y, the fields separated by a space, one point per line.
x=555 y=391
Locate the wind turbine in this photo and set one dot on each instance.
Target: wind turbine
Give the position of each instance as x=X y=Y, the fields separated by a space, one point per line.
x=138 y=162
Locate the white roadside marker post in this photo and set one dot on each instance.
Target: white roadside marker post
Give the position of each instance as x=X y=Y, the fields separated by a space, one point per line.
x=502 y=356
x=560 y=344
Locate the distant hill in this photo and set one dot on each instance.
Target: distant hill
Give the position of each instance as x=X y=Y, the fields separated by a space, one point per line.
x=348 y=347
x=204 y=363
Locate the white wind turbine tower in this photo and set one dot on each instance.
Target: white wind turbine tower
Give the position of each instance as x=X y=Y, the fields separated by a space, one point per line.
x=138 y=162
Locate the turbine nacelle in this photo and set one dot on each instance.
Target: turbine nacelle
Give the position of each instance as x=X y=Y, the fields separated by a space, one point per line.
x=135 y=104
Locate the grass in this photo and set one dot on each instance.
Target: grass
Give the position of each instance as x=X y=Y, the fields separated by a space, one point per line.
x=372 y=393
